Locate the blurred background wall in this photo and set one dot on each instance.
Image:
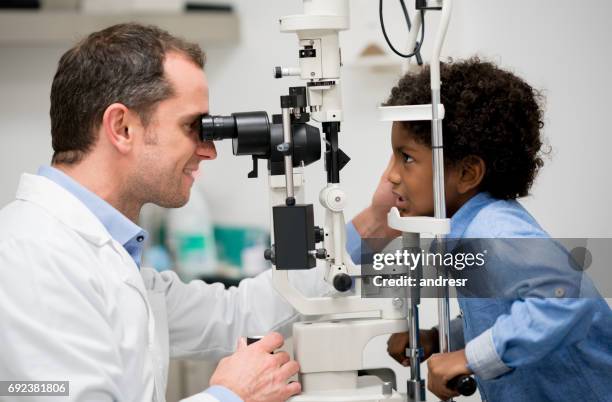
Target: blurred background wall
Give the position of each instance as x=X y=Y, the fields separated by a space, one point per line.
x=556 y=45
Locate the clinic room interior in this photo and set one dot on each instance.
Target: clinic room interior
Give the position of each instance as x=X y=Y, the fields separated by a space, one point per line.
x=560 y=47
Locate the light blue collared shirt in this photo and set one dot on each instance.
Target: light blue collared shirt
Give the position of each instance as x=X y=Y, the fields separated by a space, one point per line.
x=223 y=394
x=123 y=230
x=530 y=348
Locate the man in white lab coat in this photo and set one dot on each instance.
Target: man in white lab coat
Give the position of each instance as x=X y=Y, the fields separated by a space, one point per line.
x=75 y=305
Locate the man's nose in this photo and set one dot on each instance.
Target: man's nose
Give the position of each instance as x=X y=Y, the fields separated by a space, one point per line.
x=206 y=150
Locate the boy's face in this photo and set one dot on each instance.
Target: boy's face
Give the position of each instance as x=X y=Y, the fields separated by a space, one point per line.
x=411 y=175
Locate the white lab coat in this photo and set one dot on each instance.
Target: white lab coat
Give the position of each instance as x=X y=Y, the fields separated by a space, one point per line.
x=74 y=306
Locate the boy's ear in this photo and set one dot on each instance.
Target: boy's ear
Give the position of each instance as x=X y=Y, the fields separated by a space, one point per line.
x=471 y=172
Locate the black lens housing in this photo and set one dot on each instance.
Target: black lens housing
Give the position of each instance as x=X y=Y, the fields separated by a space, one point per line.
x=252 y=134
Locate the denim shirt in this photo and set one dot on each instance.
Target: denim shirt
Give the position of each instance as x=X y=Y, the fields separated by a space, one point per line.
x=546 y=348
x=529 y=344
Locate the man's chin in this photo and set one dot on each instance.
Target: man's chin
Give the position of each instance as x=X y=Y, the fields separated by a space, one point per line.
x=178 y=202
x=181 y=203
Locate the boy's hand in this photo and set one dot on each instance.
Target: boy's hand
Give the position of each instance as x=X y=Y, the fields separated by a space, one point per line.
x=397 y=344
x=257 y=375
x=443 y=367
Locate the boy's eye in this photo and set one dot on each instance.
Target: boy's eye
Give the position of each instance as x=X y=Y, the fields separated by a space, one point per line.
x=407 y=158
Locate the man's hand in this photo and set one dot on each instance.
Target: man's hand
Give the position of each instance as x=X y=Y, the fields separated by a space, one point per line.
x=443 y=367
x=397 y=344
x=372 y=221
x=255 y=374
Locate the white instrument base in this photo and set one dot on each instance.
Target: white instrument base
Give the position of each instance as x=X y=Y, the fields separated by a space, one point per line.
x=369 y=389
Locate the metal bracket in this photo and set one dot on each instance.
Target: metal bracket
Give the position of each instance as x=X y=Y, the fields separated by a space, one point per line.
x=409 y=113
x=418 y=224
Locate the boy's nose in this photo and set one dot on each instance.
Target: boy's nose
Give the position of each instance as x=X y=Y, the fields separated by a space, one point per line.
x=206 y=150
x=392 y=174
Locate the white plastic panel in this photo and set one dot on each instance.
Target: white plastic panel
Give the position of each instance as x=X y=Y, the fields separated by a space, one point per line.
x=418 y=224
x=408 y=113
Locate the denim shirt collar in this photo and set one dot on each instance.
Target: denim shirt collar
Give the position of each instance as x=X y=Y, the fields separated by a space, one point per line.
x=466 y=213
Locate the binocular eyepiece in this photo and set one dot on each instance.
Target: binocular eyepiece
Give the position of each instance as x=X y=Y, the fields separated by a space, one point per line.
x=249 y=131
x=253 y=134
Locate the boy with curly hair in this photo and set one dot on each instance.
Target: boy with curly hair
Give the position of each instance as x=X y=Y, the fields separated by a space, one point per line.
x=530 y=345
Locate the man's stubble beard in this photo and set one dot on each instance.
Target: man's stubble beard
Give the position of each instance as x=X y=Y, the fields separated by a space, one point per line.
x=154 y=185
x=163 y=190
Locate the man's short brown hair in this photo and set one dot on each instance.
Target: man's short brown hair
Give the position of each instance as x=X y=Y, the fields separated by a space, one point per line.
x=122 y=63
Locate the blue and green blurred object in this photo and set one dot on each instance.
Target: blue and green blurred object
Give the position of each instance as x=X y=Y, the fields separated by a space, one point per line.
x=232 y=240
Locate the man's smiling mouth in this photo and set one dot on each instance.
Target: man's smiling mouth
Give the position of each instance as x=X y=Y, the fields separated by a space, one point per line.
x=192 y=172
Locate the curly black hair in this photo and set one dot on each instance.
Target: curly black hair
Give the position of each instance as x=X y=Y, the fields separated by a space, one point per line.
x=489 y=113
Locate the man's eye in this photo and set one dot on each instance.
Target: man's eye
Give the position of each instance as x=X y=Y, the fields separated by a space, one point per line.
x=193 y=126
x=407 y=158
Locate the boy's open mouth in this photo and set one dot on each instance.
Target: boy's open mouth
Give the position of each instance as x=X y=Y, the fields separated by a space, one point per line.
x=400 y=203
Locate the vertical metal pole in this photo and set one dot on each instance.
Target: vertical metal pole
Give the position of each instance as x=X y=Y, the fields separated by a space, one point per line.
x=416 y=385
x=440 y=213
x=438 y=172
x=288 y=158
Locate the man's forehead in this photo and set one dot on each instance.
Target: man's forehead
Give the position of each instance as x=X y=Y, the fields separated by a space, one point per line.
x=174 y=57
x=183 y=72
x=188 y=83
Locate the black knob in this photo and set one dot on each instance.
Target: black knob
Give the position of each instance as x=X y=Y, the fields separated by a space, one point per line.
x=278 y=72
x=464 y=384
x=321 y=253
x=342 y=282
x=269 y=254
x=319 y=234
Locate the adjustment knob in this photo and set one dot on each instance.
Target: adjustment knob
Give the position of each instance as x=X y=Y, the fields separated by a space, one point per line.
x=342 y=282
x=278 y=72
x=319 y=234
x=269 y=255
x=464 y=384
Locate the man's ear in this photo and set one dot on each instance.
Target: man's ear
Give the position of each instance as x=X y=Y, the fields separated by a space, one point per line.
x=471 y=171
x=118 y=126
